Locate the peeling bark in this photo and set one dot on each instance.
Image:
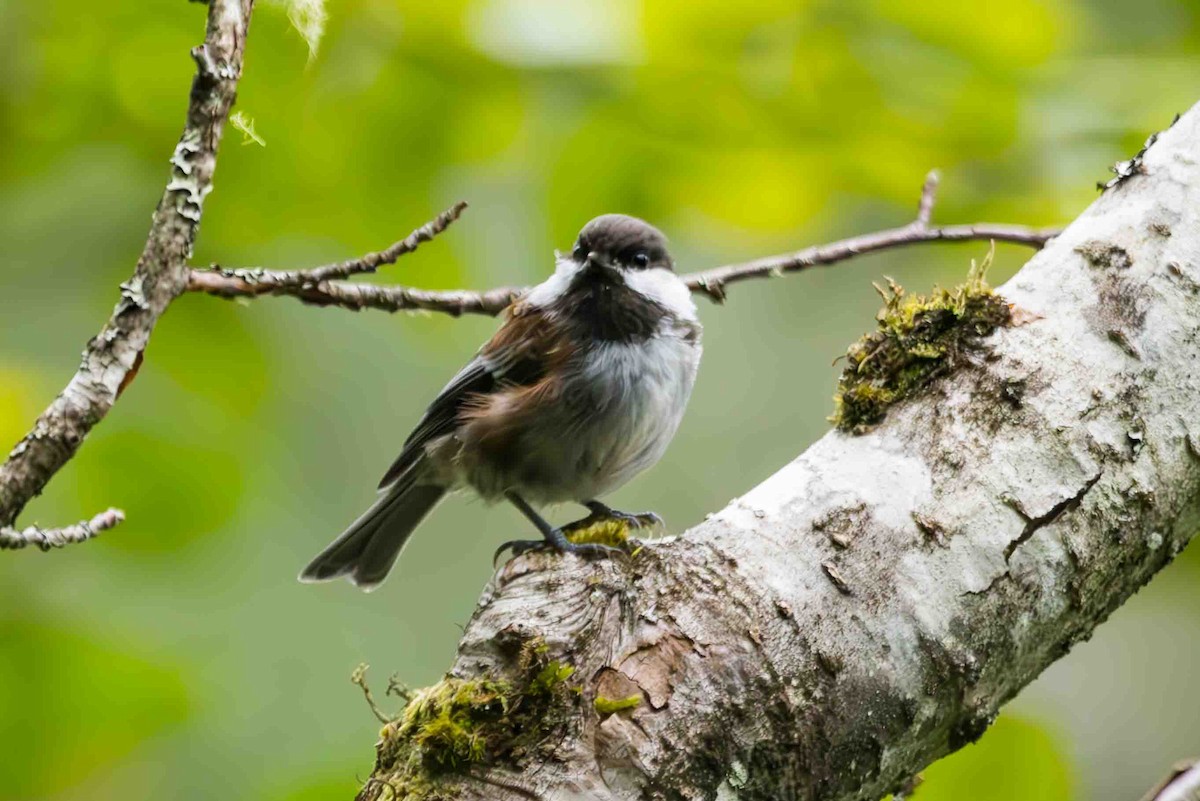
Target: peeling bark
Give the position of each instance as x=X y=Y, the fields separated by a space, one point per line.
x=111 y=359
x=870 y=607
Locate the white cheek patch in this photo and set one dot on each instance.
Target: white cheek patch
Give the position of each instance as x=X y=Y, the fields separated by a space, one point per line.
x=553 y=287
x=658 y=284
x=663 y=286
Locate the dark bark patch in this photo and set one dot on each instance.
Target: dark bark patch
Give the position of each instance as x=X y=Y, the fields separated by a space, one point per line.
x=1121 y=303
x=931 y=528
x=654 y=667
x=844 y=525
x=835 y=578
x=1105 y=255
x=968 y=730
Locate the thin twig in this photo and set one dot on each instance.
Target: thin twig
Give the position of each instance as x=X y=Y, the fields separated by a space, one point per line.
x=399 y=689
x=250 y=283
x=111 y=358
x=359 y=677
x=260 y=281
x=713 y=282
x=47 y=538
x=357 y=297
x=928 y=199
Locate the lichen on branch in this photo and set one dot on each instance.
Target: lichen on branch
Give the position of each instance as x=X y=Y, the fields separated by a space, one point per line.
x=917 y=339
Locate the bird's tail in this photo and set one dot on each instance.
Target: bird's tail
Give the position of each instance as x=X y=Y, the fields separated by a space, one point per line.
x=366 y=551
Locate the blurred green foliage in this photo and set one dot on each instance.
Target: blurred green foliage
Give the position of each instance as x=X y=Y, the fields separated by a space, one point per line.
x=1018 y=760
x=177 y=654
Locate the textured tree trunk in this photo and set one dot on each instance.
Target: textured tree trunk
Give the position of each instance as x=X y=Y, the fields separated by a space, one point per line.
x=871 y=606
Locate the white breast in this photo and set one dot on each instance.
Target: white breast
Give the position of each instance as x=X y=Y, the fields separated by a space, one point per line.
x=641 y=393
x=619 y=407
x=623 y=405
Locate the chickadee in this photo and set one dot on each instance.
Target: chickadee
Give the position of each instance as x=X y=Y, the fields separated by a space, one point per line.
x=581 y=388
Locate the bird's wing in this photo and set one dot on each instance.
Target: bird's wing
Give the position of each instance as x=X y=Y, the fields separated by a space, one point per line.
x=441 y=416
x=515 y=356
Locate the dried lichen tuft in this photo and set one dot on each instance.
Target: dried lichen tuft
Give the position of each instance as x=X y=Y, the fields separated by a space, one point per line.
x=919 y=338
x=457 y=722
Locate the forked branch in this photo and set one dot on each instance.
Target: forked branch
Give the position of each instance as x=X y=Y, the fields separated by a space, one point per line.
x=713 y=282
x=308 y=284
x=112 y=358
x=315 y=287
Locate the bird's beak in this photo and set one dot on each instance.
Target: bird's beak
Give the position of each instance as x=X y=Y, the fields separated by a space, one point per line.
x=601 y=269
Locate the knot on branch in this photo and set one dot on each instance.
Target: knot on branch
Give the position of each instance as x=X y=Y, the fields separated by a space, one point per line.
x=211 y=69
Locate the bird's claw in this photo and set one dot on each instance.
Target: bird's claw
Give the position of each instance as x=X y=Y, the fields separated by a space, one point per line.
x=638 y=519
x=559 y=544
x=601 y=513
x=517 y=547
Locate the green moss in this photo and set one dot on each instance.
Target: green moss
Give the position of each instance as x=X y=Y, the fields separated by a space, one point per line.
x=449 y=721
x=917 y=339
x=457 y=723
x=550 y=677
x=608 y=531
x=607 y=706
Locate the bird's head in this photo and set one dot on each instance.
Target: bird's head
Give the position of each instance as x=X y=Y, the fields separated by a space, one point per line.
x=618 y=270
x=613 y=246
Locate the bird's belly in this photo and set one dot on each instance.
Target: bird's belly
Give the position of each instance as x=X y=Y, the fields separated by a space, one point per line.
x=617 y=412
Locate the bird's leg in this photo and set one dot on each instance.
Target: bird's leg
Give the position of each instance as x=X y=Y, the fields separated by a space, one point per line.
x=552 y=538
x=600 y=511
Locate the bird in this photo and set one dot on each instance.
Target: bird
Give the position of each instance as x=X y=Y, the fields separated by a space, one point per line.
x=582 y=387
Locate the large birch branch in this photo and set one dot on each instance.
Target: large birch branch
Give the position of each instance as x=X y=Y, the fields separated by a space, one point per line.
x=1181 y=784
x=870 y=607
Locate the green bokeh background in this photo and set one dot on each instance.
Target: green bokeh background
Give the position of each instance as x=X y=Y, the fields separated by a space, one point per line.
x=177 y=656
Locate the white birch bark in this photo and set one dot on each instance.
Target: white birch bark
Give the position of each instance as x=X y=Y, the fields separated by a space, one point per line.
x=871 y=606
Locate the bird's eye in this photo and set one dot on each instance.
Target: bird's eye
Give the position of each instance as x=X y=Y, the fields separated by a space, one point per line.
x=579 y=253
x=641 y=260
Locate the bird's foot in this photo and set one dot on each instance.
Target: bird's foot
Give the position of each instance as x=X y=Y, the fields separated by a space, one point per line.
x=605 y=526
x=632 y=519
x=558 y=542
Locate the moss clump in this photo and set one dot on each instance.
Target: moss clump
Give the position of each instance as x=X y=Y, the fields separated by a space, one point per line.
x=448 y=722
x=457 y=722
x=918 y=338
x=550 y=677
x=610 y=531
x=615 y=532
x=607 y=706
